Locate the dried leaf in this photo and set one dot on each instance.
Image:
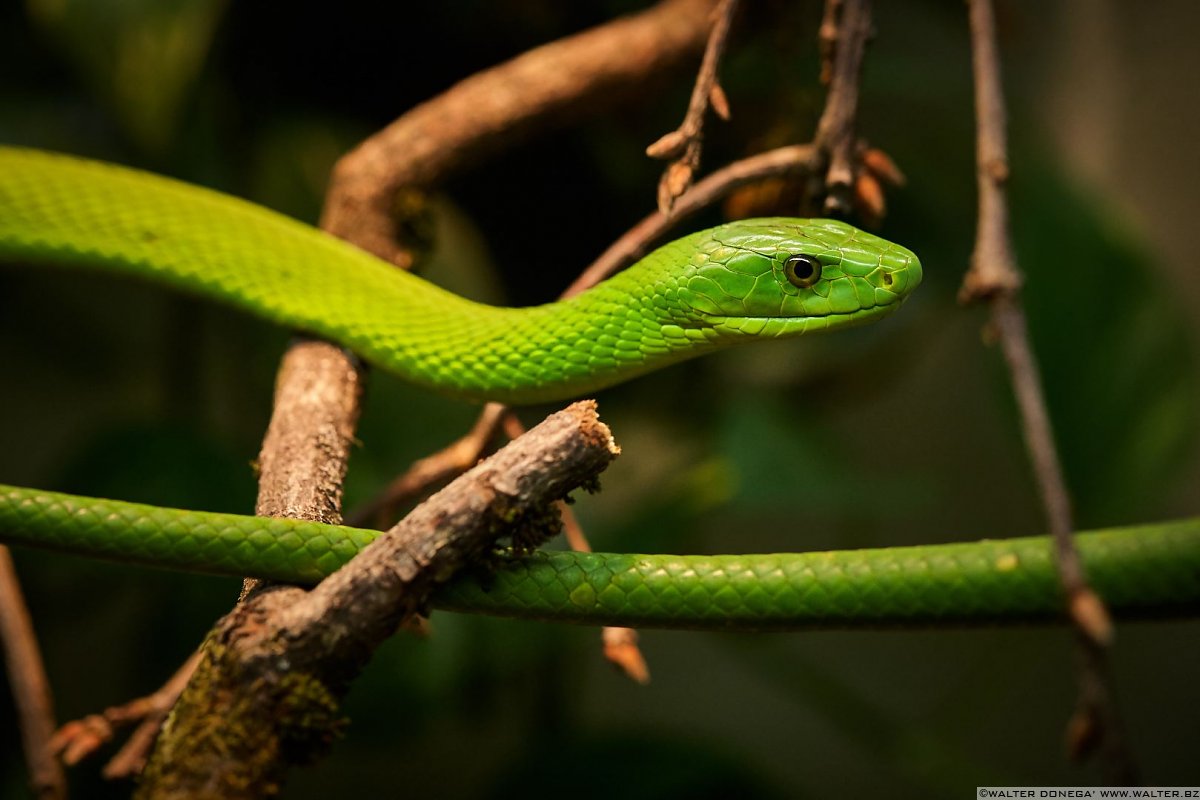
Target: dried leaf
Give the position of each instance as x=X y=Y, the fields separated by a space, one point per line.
x=769 y=198
x=881 y=166
x=719 y=101
x=869 y=199
x=622 y=651
x=675 y=181
x=668 y=146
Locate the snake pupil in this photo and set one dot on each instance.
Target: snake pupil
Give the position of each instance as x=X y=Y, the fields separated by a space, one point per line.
x=802 y=271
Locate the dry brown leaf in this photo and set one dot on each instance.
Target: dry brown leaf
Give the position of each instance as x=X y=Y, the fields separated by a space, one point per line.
x=719 y=101
x=881 y=166
x=669 y=145
x=869 y=199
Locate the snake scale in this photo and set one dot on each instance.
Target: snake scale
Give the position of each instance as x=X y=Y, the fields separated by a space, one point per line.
x=733 y=284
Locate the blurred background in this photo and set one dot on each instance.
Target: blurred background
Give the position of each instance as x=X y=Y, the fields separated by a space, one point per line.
x=902 y=433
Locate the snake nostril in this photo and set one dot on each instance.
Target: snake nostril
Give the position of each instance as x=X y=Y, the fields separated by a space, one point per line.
x=887 y=279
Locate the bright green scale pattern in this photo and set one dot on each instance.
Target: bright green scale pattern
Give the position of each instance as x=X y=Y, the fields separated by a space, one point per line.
x=1147 y=570
x=716 y=288
x=711 y=289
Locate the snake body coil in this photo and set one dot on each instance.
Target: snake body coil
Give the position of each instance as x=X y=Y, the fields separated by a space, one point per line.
x=733 y=284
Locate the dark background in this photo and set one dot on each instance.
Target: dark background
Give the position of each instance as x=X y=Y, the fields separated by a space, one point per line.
x=901 y=433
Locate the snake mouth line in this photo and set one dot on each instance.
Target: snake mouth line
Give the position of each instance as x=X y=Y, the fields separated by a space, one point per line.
x=834 y=319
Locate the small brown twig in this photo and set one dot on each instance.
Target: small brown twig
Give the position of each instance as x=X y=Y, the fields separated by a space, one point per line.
x=827 y=38
x=797 y=159
x=993 y=276
x=682 y=146
x=79 y=739
x=836 y=137
x=431 y=471
x=620 y=645
x=130 y=760
x=30 y=688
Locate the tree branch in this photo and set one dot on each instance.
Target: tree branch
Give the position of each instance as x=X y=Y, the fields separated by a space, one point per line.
x=682 y=145
x=30 y=688
x=432 y=470
x=267 y=690
x=836 y=135
x=993 y=276
x=496 y=108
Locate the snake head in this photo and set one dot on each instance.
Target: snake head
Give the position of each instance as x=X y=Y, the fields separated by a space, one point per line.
x=783 y=277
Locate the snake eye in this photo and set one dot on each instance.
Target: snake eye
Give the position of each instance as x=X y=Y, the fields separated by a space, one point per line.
x=802 y=271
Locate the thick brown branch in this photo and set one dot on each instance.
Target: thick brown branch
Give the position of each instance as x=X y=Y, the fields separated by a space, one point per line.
x=684 y=144
x=266 y=693
x=30 y=688
x=316 y=407
x=994 y=275
x=307 y=447
x=496 y=108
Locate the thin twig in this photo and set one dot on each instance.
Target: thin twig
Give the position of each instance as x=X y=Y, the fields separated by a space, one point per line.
x=431 y=471
x=620 y=644
x=683 y=145
x=81 y=738
x=827 y=37
x=994 y=276
x=855 y=173
x=836 y=137
x=152 y=710
x=30 y=687
x=798 y=159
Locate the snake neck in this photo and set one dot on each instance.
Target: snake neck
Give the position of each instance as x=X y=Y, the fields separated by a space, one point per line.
x=621 y=328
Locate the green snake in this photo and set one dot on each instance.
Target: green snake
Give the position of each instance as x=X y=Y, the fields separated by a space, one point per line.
x=737 y=283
